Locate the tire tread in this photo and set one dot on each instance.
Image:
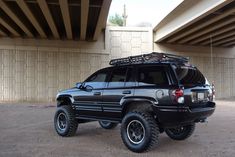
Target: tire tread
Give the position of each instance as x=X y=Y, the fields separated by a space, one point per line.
x=189 y=132
x=110 y=126
x=73 y=124
x=154 y=131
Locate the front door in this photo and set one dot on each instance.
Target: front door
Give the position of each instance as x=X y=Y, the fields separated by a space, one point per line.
x=89 y=101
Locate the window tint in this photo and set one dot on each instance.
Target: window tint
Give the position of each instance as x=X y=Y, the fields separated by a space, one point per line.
x=129 y=75
x=98 y=77
x=152 y=75
x=189 y=75
x=97 y=80
x=118 y=77
x=130 y=78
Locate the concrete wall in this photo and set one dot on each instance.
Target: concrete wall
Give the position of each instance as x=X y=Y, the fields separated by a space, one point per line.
x=35 y=70
x=126 y=41
x=219 y=69
x=37 y=73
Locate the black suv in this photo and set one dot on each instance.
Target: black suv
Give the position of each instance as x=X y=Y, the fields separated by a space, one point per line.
x=148 y=94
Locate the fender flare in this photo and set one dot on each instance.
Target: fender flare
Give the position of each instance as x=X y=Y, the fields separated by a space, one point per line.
x=61 y=98
x=128 y=100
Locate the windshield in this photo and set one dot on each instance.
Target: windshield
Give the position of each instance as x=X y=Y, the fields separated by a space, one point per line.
x=189 y=75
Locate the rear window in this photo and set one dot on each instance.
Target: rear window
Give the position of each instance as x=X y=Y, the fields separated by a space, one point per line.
x=189 y=75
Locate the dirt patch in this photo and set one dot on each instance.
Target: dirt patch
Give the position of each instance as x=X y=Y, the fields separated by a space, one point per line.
x=27 y=130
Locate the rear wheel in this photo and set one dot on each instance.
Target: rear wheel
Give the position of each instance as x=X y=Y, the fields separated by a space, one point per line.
x=180 y=132
x=107 y=124
x=139 y=131
x=65 y=122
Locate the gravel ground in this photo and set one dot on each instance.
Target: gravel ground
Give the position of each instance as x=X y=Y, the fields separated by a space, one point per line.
x=27 y=130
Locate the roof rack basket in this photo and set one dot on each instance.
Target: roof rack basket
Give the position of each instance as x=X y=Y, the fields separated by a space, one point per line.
x=149 y=58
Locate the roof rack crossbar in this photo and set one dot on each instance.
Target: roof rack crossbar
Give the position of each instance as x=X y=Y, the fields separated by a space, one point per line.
x=149 y=58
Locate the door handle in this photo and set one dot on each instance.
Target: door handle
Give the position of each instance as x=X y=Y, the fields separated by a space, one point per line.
x=97 y=93
x=126 y=92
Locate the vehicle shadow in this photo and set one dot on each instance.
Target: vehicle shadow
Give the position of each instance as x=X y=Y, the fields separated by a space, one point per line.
x=93 y=132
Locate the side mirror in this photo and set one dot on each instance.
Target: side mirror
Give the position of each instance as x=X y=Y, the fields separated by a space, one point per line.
x=78 y=85
x=88 y=88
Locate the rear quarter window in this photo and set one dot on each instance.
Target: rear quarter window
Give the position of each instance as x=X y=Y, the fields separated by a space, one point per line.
x=152 y=75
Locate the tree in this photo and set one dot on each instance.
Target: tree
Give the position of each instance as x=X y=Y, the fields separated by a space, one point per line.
x=116 y=19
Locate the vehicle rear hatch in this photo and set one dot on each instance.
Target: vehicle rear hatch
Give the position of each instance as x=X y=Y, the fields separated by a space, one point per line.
x=196 y=88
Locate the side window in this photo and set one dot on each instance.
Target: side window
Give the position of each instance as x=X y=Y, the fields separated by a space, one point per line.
x=98 y=77
x=130 y=80
x=129 y=75
x=152 y=75
x=97 y=80
x=118 y=77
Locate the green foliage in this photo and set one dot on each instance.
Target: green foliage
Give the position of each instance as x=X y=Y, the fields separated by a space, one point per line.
x=116 y=19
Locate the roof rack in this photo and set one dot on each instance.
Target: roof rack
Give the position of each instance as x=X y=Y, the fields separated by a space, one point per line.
x=149 y=58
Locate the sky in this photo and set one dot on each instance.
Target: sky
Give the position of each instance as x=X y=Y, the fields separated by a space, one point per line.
x=138 y=11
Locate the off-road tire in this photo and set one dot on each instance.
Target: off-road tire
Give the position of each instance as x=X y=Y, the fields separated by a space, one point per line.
x=107 y=125
x=186 y=132
x=150 y=138
x=71 y=122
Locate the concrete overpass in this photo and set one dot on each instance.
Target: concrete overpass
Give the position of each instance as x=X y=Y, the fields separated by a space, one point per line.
x=48 y=45
x=53 y=19
x=204 y=30
x=200 y=23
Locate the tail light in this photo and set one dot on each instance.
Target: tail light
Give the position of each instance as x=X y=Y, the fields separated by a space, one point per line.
x=178 y=95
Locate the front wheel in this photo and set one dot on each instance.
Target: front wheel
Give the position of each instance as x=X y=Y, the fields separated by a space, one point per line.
x=139 y=131
x=180 y=132
x=107 y=125
x=65 y=122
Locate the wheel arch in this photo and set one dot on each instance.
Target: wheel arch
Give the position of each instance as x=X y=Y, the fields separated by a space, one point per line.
x=64 y=100
x=139 y=103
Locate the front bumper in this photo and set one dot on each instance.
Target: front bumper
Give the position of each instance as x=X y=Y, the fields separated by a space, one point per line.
x=171 y=116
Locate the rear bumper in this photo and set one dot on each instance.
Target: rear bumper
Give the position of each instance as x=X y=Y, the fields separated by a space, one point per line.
x=170 y=116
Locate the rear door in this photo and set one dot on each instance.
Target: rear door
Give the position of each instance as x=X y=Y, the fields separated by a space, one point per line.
x=121 y=84
x=197 y=91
